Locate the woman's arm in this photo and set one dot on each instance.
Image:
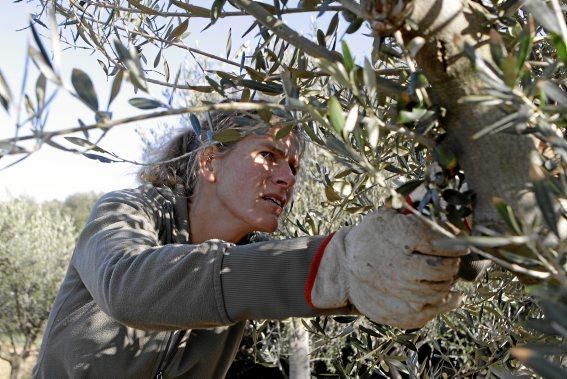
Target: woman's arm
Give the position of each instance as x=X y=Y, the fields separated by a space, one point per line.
x=147 y=285
x=140 y=282
x=266 y=280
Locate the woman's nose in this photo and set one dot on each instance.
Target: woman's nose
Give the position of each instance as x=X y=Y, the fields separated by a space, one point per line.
x=284 y=175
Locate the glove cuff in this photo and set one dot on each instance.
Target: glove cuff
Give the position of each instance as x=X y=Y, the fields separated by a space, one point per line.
x=314 y=268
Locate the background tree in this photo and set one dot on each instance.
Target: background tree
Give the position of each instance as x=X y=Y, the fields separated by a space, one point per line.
x=77 y=207
x=35 y=245
x=463 y=99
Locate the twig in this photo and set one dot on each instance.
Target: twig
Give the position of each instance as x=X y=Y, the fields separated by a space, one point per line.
x=352 y=6
x=155 y=38
x=148 y=116
x=560 y=19
x=221 y=15
x=280 y=29
x=177 y=86
x=510 y=266
x=427 y=142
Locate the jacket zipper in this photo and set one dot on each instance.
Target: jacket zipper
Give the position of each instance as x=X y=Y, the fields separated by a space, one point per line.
x=170 y=347
x=170 y=352
x=161 y=368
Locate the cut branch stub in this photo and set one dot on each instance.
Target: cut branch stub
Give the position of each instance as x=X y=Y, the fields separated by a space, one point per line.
x=386 y=16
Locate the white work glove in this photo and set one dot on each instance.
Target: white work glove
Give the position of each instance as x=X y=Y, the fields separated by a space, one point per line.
x=388 y=269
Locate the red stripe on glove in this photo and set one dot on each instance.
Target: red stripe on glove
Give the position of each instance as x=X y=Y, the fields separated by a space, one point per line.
x=314 y=268
x=410 y=203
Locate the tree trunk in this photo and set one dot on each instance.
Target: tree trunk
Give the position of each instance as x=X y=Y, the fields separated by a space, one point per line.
x=496 y=165
x=16 y=365
x=298 y=351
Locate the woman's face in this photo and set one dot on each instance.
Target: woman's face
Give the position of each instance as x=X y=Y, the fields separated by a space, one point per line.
x=254 y=181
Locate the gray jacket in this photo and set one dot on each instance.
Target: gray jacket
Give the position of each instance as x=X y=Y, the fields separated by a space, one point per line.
x=139 y=301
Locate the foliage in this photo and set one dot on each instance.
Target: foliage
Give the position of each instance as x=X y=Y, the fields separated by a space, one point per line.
x=381 y=120
x=35 y=246
x=76 y=206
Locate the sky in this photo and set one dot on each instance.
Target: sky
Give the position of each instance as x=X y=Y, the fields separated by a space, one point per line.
x=50 y=173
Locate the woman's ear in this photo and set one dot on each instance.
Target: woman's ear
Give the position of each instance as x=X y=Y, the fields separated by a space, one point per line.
x=207 y=167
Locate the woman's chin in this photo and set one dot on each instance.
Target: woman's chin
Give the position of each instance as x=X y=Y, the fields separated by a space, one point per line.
x=268 y=226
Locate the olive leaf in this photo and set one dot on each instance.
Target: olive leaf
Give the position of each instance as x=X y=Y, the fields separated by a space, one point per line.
x=116 y=84
x=86 y=144
x=145 y=103
x=335 y=114
x=5 y=93
x=177 y=31
x=227 y=135
x=84 y=88
x=99 y=158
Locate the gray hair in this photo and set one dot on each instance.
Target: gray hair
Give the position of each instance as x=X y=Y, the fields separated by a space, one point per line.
x=175 y=163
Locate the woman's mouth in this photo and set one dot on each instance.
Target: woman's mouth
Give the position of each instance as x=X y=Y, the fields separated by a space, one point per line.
x=275 y=200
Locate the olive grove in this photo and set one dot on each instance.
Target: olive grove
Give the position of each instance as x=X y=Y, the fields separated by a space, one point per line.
x=35 y=246
x=456 y=113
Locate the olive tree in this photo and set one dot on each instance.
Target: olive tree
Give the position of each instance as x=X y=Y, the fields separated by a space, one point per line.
x=459 y=105
x=35 y=246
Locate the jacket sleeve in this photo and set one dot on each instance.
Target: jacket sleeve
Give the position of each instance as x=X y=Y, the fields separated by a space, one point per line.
x=147 y=285
x=140 y=282
x=266 y=280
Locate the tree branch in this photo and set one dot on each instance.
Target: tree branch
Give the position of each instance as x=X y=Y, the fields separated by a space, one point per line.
x=179 y=86
x=197 y=15
x=280 y=29
x=170 y=112
x=496 y=167
x=3 y=356
x=156 y=38
x=352 y=6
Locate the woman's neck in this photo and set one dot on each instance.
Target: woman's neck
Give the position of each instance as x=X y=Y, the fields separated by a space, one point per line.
x=207 y=220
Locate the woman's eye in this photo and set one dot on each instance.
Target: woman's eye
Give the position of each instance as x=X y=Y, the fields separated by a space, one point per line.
x=293 y=170
x=267 y=154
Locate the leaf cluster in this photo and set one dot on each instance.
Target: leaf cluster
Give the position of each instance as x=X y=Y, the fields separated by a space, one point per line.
x=377 y=135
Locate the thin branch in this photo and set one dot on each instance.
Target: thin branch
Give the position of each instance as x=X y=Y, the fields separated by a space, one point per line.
x=159 y=39
x=509 y=265
x=180 y=45
x=148 y=116
x=13 y=343
x=5 y=358
x=336 y=8
x=280 y=29
x=179 y=86
x=425 y=141
x=560 y=19
x=352 y=6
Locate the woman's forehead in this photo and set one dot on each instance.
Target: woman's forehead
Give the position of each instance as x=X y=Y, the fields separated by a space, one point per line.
x=290 y=144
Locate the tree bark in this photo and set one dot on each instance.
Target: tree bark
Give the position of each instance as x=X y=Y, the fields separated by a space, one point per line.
x=16 y=364
x=496 y=165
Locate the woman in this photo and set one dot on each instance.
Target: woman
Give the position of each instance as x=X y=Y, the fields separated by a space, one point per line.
x=164 y=277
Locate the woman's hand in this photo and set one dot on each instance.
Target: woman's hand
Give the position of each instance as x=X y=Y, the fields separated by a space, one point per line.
x=388 y=268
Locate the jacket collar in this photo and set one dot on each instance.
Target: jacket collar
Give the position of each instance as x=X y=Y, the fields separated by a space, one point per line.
x=178 y=198
x=176 y=203
x=181 y=215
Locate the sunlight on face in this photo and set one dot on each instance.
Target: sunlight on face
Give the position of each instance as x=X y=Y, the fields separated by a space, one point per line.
x=256 y=180
x=245 y=188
